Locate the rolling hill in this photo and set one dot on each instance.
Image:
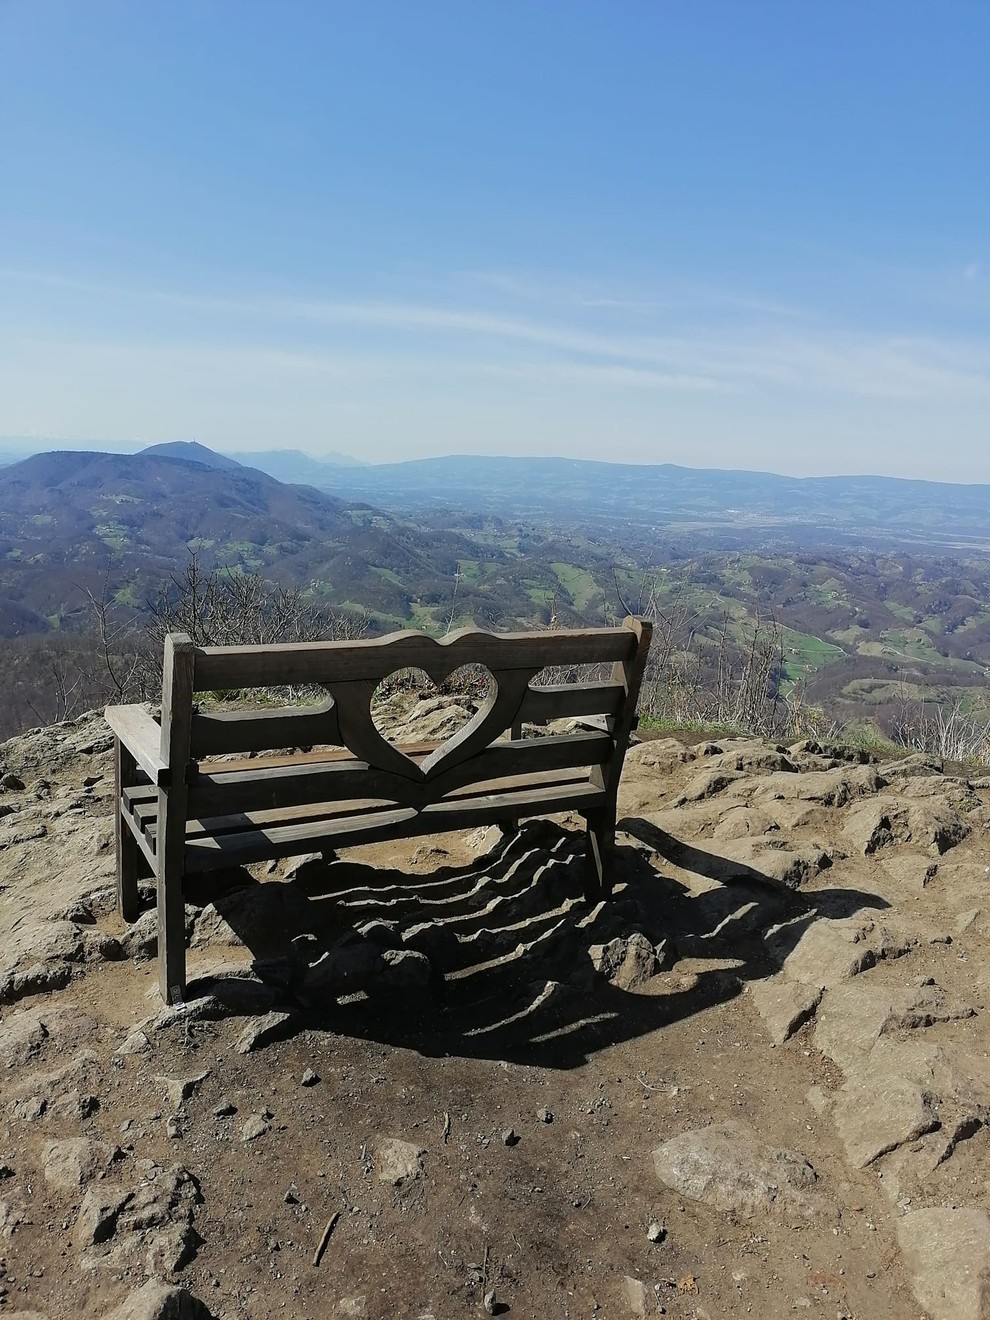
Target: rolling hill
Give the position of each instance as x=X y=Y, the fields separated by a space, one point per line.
x=698 y=506
x=64 y=517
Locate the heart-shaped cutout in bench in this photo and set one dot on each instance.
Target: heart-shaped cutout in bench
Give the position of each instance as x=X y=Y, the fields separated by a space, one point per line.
x=408 y=707
x=370 y=742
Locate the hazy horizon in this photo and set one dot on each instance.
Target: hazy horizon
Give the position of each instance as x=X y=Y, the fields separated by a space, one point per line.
x=9 y=446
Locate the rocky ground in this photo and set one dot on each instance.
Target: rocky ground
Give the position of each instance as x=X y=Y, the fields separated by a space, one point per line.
x=423 y=1080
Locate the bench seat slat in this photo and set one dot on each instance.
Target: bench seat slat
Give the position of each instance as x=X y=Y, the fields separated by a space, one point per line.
x=216 y=794
x=144 y=841
x=147 y=813
x=214 y=851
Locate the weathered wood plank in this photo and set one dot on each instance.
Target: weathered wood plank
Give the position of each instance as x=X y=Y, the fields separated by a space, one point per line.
x=375 y=658
x=290 y=786
x=127 y=864
x=317 y=756
x=141 y=735
x=146 y=814
x=143 y=841
x=568 y=700
x=288 y=841
x=177 y=698
x=247 y=846
x=218 y=732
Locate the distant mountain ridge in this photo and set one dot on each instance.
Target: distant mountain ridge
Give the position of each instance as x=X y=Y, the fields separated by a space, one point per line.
x=669 y=496
x=191 y=451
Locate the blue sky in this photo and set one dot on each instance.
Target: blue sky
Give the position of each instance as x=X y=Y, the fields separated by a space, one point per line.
x=744 y=234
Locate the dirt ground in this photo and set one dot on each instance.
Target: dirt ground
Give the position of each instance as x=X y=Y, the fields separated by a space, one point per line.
x=480 y=1136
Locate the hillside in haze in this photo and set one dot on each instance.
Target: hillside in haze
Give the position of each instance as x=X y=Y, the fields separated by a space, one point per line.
x=695 y=504
x=860 y=631
x=64 y=517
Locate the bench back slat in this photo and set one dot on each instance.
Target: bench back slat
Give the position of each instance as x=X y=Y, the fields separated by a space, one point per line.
x=225 y=667
x=218 y=733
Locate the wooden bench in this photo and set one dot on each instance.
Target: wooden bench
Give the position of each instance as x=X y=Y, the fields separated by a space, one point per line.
x=180 y=811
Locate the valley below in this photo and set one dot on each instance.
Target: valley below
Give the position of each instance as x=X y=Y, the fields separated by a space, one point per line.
x=865 y=619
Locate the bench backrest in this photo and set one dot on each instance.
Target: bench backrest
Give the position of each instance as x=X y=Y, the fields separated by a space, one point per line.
x=376 y=768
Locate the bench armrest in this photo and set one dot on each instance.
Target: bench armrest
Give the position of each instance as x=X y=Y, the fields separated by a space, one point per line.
x=139 y=733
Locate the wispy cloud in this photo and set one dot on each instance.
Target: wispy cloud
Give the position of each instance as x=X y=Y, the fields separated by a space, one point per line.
x=580 y=344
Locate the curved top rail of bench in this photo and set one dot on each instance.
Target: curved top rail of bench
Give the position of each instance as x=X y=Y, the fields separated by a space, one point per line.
x=218 y=667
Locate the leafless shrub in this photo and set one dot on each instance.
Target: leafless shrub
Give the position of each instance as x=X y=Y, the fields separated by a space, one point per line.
x=221 y=607
x=725 y=676
x=943 y=730
x=224 y=608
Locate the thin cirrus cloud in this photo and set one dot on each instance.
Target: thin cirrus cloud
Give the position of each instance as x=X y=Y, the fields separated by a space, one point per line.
x=816 y=358
x=126 y=353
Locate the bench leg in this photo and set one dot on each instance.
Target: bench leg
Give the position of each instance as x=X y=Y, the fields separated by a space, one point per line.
x=600 y=843
x=127 y=849
x=171 y=908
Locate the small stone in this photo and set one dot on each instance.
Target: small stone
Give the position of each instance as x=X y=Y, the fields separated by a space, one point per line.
x=490 y=1302
x=160 y=1301
x=262 y=1032
x=638 y=1300
x=545 y=1115
x=510 y=1137
x=255 y=1127
x=174 y=1128
x=656 y=1233
x=136 y=1043
x=225 y=1109
x=11 y=783
x=179 y=1089
x=310 y=1078
x=398 y=1161
x=74 y=1161
x=291 y=1196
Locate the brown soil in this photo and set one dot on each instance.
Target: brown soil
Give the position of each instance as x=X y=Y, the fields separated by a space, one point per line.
x=516 y=1032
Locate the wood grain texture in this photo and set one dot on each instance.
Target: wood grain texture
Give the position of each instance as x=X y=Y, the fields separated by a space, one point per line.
x=569 y=700
x=127 y=865
x=218 y=733
x=290 y=786
x=288 y=841
x=141 y=735
x=376 y=658
x=178 y=685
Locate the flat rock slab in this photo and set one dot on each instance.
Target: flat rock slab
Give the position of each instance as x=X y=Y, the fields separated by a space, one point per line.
x=784 y=1005
x=262 y=1031
x=727 y=1167
x=854 y=1016
x=947 y=1255
x=881 y=1111
x=828 y=952
x=398 y=1161
x=74 y=1161
x=160 y=1301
